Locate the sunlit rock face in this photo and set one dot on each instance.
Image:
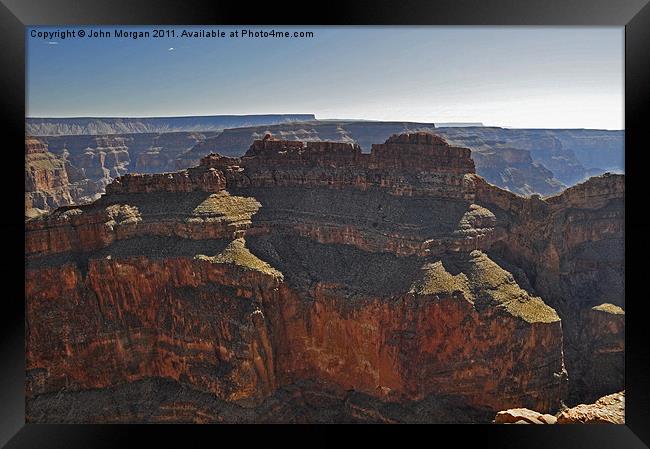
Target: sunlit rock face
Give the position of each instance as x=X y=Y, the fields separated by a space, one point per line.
x=306 y=282
x=51 y=181
x=609 y=409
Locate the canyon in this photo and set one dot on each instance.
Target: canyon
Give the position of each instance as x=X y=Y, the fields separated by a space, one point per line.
x=92 y=162
x=523 y=161
x=316 y=281
x=51 y=181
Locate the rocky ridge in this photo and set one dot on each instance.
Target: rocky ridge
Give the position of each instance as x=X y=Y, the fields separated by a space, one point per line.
x=522 y=161
x=609 y=409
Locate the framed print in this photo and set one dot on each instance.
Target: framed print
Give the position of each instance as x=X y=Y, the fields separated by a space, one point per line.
x=404 y=214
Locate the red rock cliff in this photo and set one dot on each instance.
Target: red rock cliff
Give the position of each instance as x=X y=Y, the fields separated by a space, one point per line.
x=571 y=248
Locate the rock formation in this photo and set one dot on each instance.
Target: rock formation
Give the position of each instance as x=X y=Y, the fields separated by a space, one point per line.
x=572 y=155
x=523 y=161
x=609 y=409
x=51 y=181
x=310 y=282
x=514 y=170
x=523 y=416
x=571 y=248
x=92 y=162
x=236 y=141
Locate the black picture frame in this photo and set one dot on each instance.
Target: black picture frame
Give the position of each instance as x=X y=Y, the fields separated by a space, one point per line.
x=634 y=15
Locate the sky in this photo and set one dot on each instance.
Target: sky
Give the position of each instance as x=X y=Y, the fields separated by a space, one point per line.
x=520 y=77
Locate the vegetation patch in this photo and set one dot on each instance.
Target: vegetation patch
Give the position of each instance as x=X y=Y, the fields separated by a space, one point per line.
x=230 y=208
x=122 y=214
x=609 y=308
x=437 y=280
x=236 y=253
x=484 y=283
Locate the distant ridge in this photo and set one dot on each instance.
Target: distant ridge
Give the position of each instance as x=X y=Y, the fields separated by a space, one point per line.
x=458 y=124
x=36 y=126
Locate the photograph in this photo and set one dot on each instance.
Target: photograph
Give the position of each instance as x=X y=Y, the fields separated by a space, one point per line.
x=325 y=224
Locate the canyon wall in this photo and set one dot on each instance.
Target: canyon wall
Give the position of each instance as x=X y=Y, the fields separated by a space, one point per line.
x=310 y=282
x=571 y=247
x=572 y=155
x=522 y=161
x=51 y=181
x=92 y=162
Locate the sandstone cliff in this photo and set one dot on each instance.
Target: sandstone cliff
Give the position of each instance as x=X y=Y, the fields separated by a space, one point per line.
x=571 y=248
x=304 y=282
x=77 y=169
x=51 y=181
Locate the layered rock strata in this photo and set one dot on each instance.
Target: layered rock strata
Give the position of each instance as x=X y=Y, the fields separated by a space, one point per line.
x=571 y=248
x=301 y=282
x=522 y=161
x=417 y=165
x=51 y=181
x=76 y=169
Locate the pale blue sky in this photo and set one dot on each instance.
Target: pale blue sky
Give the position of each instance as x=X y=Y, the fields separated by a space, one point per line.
x=552 y=77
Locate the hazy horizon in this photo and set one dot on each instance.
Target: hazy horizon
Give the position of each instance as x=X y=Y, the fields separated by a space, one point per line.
x=343 y=119
x=511 y=77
